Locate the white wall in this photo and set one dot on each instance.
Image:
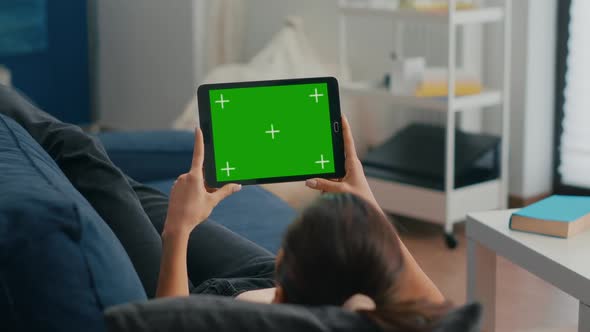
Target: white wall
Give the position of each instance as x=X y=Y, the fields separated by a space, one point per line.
x=537 y=130
x=493 y=74
x=146 y=61
x=532 y=78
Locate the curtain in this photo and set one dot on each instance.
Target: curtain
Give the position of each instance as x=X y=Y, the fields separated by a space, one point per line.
x=23 y=26
x=574 y=168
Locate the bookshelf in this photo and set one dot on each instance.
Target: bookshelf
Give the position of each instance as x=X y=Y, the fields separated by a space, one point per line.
x=451 y=205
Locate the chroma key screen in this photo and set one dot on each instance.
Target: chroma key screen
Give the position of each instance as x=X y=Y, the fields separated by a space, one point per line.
x=273 y=131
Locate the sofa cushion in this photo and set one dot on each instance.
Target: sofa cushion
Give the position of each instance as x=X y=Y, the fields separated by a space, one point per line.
x=162 y=154
x=60 y=264
x=253 y=212
x=222 y=314
x=213 y=313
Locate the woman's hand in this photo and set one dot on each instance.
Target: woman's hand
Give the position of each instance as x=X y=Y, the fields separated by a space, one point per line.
x=191 y=201
x=354 y=181
x=416 y=285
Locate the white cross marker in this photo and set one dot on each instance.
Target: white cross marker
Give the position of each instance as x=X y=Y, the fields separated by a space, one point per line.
x=316 y=95
x=322 y=161
x=272 y=131
x=222 y=101
x=227 y=168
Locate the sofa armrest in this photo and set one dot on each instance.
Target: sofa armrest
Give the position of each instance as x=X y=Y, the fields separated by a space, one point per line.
x=150 y=155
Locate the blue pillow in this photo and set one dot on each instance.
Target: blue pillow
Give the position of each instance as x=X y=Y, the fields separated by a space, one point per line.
x=60 y=264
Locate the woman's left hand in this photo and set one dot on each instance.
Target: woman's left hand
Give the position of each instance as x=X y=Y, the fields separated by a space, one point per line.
x=191 y=201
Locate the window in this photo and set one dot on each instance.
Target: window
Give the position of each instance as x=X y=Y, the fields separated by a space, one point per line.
x=573 y=96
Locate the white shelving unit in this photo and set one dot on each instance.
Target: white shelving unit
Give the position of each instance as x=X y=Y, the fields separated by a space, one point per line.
x=451 y=205
x=471 y=16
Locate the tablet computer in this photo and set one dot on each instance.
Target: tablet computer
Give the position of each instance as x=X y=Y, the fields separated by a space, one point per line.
x=271 y=131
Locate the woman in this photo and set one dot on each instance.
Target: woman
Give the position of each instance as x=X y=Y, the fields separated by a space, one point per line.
x=340 y=251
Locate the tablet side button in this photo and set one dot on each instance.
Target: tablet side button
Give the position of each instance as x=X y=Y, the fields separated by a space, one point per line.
x=336 y=127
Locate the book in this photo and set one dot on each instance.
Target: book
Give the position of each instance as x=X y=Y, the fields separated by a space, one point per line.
x=440 y=88
x=561 y=216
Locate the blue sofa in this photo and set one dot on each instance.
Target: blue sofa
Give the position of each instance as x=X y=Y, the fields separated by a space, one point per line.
x=61 y=266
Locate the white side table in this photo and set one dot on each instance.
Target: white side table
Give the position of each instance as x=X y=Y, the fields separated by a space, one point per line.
x=565 y=263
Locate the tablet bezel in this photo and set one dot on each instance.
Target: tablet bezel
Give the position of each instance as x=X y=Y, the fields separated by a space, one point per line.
x=335 y=125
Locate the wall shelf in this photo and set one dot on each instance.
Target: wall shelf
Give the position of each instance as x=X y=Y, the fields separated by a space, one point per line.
x=462 y=17
x=430 y=204
x=484 y=99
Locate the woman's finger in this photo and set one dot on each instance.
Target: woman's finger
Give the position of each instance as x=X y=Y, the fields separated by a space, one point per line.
x=198 y=152
x=324 y=185
x=225 y=191
x=349 y=148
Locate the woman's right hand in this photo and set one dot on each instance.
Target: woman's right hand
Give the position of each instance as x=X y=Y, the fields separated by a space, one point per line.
x=191 y=201
x=418 y=285
x=354 y=181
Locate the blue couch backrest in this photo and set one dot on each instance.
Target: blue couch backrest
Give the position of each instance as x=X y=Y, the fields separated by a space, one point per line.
x=60 y=264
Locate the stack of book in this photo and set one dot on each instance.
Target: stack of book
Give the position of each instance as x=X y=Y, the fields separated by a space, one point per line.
x=441 y=88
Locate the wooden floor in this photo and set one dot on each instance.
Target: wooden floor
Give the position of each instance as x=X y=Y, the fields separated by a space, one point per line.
x=526 y=303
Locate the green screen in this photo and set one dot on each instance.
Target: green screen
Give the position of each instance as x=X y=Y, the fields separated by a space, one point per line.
x=275 y=131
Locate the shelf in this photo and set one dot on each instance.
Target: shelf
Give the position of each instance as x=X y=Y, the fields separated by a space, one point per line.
x=485 y=99
x=422 y=199
x=462 y=17
x=430 y=205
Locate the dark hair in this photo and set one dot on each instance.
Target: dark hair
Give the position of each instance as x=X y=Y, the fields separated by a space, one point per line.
x=341 y=246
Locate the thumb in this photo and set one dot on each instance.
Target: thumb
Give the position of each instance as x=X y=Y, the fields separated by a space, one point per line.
x=225 y=191
x=324 y=185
